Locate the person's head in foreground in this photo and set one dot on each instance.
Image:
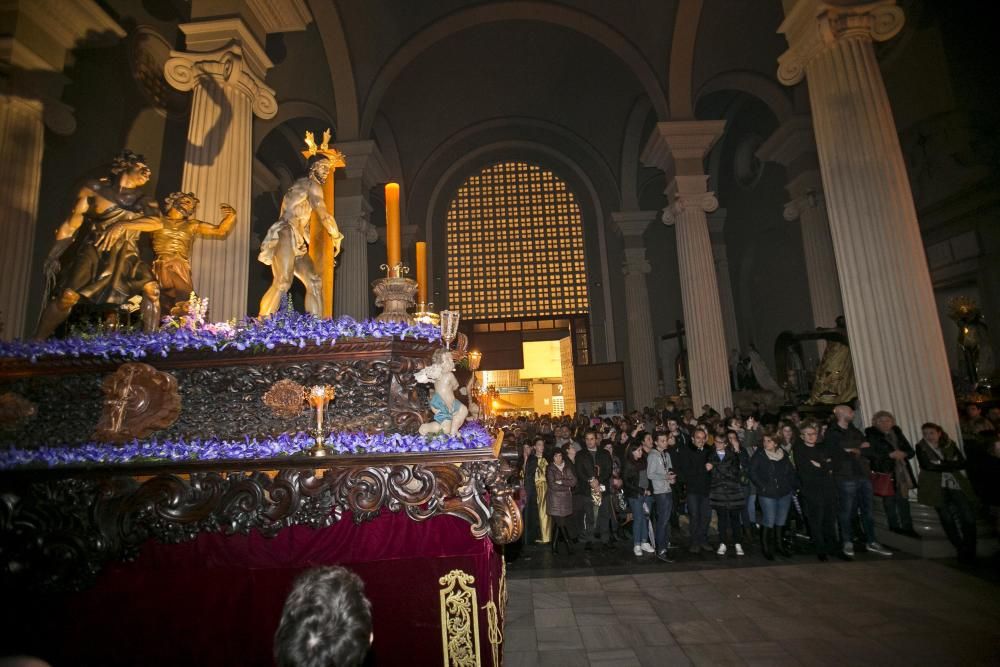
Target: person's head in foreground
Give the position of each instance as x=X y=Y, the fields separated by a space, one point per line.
x=326 y=622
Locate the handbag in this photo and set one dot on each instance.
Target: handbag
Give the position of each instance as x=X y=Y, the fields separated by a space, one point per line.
x=882 y=484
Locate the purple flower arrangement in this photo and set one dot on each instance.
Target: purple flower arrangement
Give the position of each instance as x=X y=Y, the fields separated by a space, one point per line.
x=471 y=436
x=284 y=328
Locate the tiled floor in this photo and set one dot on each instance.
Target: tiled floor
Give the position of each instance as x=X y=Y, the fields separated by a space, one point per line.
x=881 y=612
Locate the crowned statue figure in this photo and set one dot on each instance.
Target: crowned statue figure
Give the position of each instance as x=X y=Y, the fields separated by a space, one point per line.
x=286 y=246
x=80 y=269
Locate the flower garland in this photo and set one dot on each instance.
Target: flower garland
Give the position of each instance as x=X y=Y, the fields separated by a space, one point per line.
x=471 y=436
x=286 y=327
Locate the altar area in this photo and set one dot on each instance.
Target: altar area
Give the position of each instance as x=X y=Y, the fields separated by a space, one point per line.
x=178 y=543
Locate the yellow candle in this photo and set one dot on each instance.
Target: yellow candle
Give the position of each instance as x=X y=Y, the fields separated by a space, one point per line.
x=392 y=242
x=421 y=272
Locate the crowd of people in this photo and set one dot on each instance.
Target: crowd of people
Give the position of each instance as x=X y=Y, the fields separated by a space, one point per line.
x=771 y=480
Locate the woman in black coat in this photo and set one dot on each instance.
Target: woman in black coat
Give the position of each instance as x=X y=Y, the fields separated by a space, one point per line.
x=774 y=476
x=727 y=494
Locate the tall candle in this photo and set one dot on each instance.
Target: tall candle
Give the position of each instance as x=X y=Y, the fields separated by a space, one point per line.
x=392 y=242
x=421 y=272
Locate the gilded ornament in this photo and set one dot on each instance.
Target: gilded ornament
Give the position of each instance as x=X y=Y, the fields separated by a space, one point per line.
x=285 y=398
x=459 y=620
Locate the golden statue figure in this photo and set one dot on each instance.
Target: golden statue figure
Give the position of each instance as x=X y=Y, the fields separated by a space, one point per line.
x=78 y=270
x=173 y=235
x=834 y=382
x=286 y=246
x=542 y=492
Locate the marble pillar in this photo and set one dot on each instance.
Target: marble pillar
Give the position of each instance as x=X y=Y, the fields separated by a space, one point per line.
x=792 y=145
x=227 y=92
x=364 y=170
x=641 y=348
x=716 y=229
x=33 y=54
x=679 y=149
x=892 y=322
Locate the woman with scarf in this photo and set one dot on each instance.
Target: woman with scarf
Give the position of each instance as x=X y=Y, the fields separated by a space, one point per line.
x=891 y=456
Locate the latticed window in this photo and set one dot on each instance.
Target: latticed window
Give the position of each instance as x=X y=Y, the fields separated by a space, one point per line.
x=515 y=246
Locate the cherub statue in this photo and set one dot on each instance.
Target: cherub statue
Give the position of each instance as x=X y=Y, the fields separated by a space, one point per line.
x=449 y=412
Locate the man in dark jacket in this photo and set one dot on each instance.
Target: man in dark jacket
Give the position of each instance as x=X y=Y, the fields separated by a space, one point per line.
x=816 y=463
x=690 y=465
x=594 y=467
x=854 y=484
x=891 y=452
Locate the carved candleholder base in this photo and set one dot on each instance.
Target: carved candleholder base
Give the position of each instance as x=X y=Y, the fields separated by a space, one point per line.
x=395 y=297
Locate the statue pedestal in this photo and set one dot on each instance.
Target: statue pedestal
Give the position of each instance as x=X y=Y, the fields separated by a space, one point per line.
x=395 y=297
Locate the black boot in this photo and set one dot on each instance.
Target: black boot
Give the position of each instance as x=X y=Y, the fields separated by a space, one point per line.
x=569 y=543
x=555 y=539
x=783 y=538
x=766 y=538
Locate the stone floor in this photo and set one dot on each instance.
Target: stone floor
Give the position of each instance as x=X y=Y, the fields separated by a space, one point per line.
x=610 y=608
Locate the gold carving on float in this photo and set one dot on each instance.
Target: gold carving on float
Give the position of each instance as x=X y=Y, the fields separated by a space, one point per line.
x=139 y=400
x=459 y=620
x=285 y=398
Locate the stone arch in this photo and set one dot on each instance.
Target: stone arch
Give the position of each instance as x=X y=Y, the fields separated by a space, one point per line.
x=524 y=10
x=338 y=57
x=768 y=91
x=681 y=65
x=290 y=110
x=631 y=147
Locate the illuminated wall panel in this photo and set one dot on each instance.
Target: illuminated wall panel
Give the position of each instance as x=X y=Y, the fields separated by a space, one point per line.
x=515 y=246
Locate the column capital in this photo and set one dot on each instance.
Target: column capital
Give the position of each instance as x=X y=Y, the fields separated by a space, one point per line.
x=364 y=160
x=811 y=26
x=688 y=193
x=635 y=262
x=354 y=215
x=804 y=202
x=228 y=65
x=680 y=146
x=632 y=224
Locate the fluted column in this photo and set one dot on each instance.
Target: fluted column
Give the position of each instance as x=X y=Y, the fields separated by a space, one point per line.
x=22 y=133
x=33 y=52
x=793 y=146
x=892 y=322
x=808 y=206
x=641 y=348
x=679 y=149
x=365 y=169
x=716 y=229
x=228 y=91
x=353 y=290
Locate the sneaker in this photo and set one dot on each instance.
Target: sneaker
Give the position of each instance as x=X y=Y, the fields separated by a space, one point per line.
x=647 y=547
x=721 y=550
x=662 y=555
x=637 y=550
x=849 y=549
x=879 y=549
x=739 y=549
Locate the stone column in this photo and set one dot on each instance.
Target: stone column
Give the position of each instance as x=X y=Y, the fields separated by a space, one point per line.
x=792 y=145
x=892 y=322
x=679 y=149
x=228 y=91
x=365 y=169
x=33 y=53
x=716 y=228
x=641 y=349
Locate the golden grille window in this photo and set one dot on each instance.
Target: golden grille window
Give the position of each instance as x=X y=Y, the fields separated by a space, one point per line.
x=515 y=245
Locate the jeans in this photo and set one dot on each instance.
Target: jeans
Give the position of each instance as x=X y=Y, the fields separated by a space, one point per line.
x=856 y=496
x=958 y=518
x=640 y=524
x=750 y=517
x=730 y=521
x=897 y=511
x=700 y=516
x=775 y=510
x=663 y=503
